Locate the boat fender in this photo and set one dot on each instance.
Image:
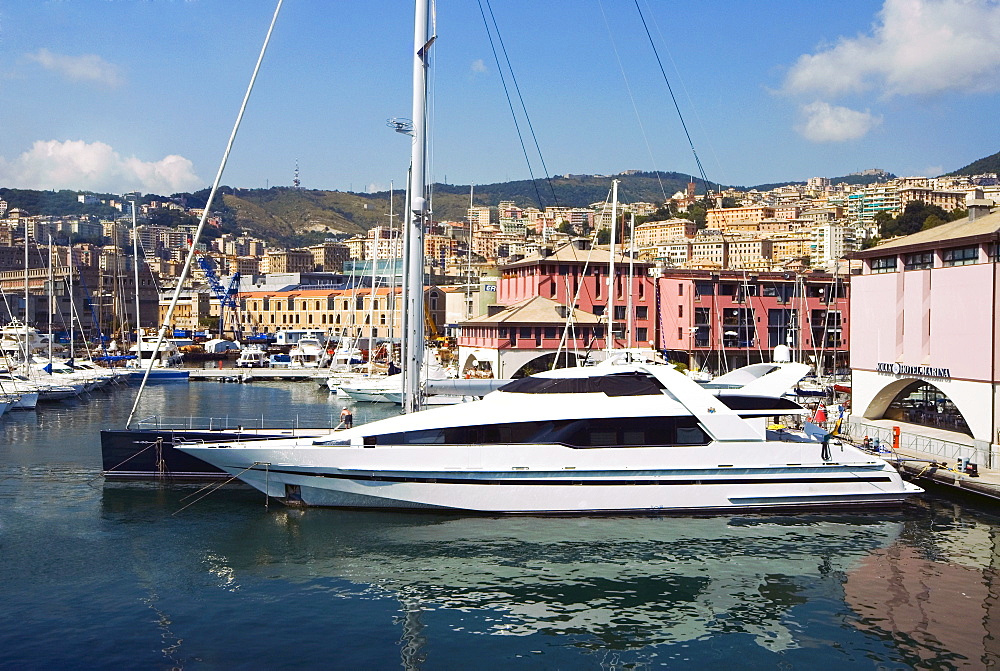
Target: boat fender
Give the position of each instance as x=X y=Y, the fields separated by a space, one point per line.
x=825 y=453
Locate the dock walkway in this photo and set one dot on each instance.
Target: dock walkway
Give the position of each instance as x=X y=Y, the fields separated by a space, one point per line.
x=934 y=457
x=281 y=374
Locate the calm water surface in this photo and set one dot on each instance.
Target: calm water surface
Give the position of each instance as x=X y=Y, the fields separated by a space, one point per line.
x=96 y=575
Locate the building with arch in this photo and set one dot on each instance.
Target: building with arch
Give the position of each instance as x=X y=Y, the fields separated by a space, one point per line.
x=925 y=347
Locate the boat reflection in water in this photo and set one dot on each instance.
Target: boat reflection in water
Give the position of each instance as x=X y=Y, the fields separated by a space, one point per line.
x=625 y=585
x=941 y=608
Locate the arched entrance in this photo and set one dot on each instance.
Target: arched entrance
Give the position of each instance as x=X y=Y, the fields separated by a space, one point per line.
x=924 y=404
x=544 y=362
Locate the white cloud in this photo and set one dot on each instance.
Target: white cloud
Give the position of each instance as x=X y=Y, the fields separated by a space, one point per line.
x=915 y=47
x=75 y=164
x=830 y=123
x=478 y=65
x=84 y=68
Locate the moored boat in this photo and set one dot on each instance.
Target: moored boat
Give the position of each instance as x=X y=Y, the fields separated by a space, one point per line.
x=602 y=439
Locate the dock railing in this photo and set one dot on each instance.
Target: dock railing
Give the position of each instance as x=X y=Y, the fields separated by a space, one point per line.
x=946 y=450
x=157 y=423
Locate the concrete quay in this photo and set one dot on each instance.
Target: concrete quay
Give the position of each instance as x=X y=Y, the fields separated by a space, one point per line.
x=260 y=374
x=933 y=458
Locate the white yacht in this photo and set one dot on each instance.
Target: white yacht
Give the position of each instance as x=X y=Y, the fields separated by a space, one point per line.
x=602 y=439
x=252 y=356
x=308 y=352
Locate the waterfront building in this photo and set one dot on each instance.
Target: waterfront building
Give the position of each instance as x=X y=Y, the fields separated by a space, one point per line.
x=925 y=333
x=526 y=337
x=720 y=321
x=345 y=313
x=556 y=287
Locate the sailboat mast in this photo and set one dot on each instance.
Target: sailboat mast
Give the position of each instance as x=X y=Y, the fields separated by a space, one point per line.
x=611 y=268
x=51 y=301
x=135 y=269
x=413 y=338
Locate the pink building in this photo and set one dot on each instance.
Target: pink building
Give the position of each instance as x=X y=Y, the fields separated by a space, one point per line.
x=926 y=333
x=719 y=321
x=553 y=287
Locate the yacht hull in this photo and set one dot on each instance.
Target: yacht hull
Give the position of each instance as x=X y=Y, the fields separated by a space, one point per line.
x=620 y=487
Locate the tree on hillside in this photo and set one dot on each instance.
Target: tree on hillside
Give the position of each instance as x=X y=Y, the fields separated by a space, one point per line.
x=914 y=218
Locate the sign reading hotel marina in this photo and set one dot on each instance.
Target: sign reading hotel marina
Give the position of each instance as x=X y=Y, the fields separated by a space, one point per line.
x=903 y=369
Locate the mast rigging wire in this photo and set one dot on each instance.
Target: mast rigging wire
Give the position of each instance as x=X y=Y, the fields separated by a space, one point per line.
x=510 y=104
x=204 y=218
x=652 y=44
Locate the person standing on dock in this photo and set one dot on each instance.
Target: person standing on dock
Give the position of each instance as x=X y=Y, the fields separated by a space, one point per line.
x=347 y=418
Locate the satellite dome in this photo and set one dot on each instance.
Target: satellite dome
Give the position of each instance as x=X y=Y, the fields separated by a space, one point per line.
x=782 y=354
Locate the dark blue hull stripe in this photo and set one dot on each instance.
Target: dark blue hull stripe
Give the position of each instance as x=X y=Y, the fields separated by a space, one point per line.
x=579 y=482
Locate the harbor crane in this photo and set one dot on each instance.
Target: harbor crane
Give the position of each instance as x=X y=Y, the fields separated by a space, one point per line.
x=228 y=296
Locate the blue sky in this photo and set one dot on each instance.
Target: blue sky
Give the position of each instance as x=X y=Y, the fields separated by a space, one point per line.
x=119 y=95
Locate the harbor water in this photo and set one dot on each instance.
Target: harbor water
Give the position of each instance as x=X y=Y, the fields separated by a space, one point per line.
x=144 y=575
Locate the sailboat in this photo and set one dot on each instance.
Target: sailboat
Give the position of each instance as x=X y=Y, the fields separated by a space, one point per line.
x=612 y=438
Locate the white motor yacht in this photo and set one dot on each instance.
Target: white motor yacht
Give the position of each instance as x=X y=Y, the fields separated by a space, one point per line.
x=602 y=439
x=252 y=356
x=308 y=352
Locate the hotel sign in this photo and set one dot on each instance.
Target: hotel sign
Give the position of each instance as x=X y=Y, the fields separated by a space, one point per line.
x=903 y=369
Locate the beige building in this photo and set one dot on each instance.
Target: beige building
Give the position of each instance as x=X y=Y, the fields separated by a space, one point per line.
x=657 y=233
x=329 y=257
x=789 y=246
x=724 y=217
x=341 y=313
x=192 y=311
x=289 y=261
x=750 y=253
x=709 y=251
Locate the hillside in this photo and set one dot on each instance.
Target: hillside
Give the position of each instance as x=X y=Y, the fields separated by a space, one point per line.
x=296 y=216
x=983 y=165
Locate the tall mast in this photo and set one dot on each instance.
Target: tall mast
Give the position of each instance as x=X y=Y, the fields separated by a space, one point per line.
x=630 y=323
x=27 y=347
x=135 y=273
x=413 y=338
x=72 y=305
x=611 y=268
x=51 y=300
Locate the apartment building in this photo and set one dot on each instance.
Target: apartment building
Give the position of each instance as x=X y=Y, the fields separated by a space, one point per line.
x=723 y=217
x=658 y=233
x=345 y=313
x=289 y=261
x=722 y=320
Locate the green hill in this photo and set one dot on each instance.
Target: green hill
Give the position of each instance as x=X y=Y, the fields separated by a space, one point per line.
x=983 y=165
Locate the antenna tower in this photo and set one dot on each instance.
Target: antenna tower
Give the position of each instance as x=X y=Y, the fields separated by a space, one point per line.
x=296 y=182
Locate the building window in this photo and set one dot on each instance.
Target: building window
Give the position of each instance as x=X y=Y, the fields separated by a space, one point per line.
x=680 y=311
x=921 y=261
x=680 y=289
x=961 y=256
x=704 y=289
x=620 y=312
x=642 y=312
x=886 y=264
x=642 y=334
x=680 y=333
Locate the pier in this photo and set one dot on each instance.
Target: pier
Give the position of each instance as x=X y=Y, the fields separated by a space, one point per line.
x=260 y=374
x=932 y=459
